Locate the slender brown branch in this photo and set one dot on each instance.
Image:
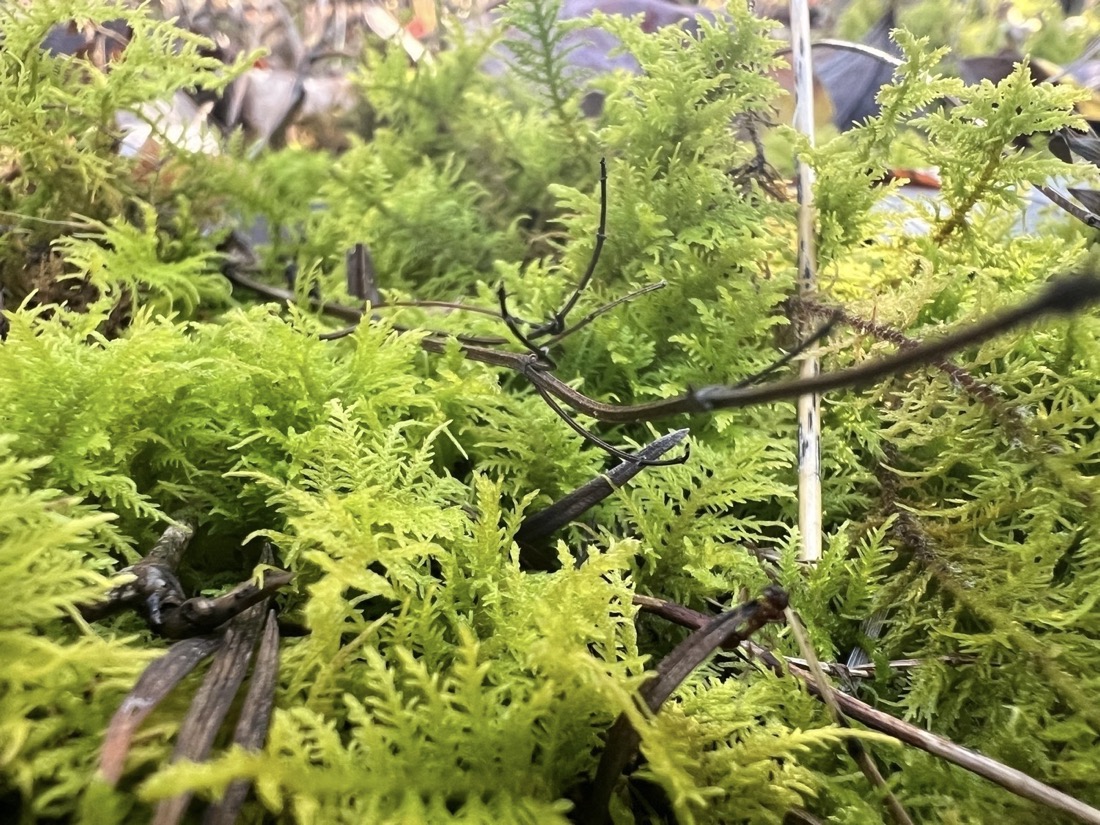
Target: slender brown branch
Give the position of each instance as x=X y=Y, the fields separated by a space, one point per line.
x=884 y=332
x=537 y=528
x=1008 y=778
x=1064 y=295
x=1085 y=216
x=251 y=732
x=856 y=749
x=603 y=310
x=155 y=683
x=728 y=629
x=212 y=702
x=556 y=324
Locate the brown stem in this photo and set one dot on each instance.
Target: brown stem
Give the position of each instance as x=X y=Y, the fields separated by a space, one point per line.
x=1061 y=296
x=728 y=629
x=1008 y=778
x=856 y=749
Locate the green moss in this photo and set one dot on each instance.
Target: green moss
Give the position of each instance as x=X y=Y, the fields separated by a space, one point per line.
x=439 y=682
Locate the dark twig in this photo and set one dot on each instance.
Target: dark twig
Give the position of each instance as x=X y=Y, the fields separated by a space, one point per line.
x=155 y=592
x=202 y=614
x=537 y=528
x=622 y=455
x=1011 y=779
x=977 y=388
x=212 y=702
x=541 y=355
x=856 y=749
x=1064 y=295
x=556 y=324
x=251 y=732
x=596 y=313
x=155 y=683
x=729 y=629
x=1085 y=216
x=812 y=339
x=488 y=341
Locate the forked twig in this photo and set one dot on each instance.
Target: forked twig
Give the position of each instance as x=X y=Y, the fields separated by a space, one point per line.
x=588 y=435
x=602 y=310
x=729 y=629
x=623 y=740
x=1064 y=295
x=802 y=346
x=155 y=592
x=556 y=324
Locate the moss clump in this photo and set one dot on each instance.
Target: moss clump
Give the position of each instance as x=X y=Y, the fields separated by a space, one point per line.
x=439 y=682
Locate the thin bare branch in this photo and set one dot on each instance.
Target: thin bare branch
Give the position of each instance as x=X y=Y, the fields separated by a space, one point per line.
x=587 y=435
x=212 y=702
x=1064 y=295
x=814 y=338
x=1008 y=778
x=728 y=629
x=557 y=323
x=255 y=719
x=856 y=749
x=1085 y=216
x=538 y=527
x=158 y=680
x=596 y=313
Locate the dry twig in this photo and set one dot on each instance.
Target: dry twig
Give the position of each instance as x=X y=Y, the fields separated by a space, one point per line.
x=726 y=630
x=1008 y=778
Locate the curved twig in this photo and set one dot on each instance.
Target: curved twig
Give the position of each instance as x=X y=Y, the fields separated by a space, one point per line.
x=986 y=767
x=1064 y=296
